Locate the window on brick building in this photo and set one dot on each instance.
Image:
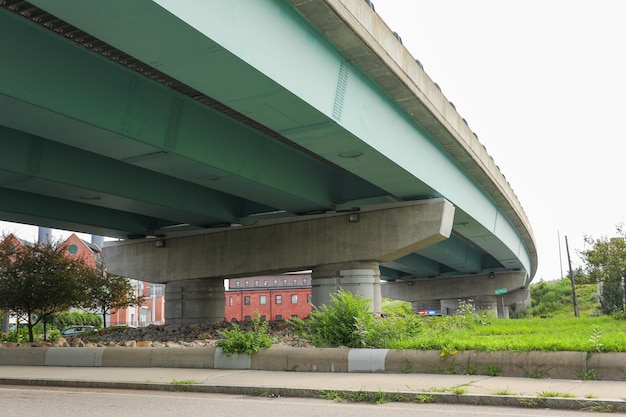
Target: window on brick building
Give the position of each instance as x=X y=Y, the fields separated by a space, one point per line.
x=275 y=282
x=279 y=316
x=294 y=298
x=230 y=301
x=279 y=299
x=265 y=283
x=237 y=284
x=284 y=282
x=256 y=282
x=304 y=281
x=246 y=318
x=246 y=300
x=308 y=298
x=247 y=283
x=262 y=300
x=295 y=281
x=263 y=317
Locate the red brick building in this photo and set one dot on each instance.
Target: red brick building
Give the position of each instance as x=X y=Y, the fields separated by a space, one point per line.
x=273 y=297
x=151 y=311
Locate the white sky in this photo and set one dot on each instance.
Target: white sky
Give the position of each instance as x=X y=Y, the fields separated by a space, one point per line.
x=541 y=82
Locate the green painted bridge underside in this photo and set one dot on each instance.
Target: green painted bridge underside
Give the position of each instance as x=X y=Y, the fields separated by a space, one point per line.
x=98 y=147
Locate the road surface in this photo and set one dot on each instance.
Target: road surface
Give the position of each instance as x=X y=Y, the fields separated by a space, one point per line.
x=19 y=401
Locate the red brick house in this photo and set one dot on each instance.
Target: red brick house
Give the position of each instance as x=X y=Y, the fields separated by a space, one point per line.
x=273 y=297
x=152 y=310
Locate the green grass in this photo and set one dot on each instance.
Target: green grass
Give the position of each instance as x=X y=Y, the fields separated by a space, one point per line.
x=556 y=334
x=184 y=382
x=559 y=330
x=549 y=326
x=504 y=391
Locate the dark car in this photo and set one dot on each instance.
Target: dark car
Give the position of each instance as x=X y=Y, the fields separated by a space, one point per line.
x=76 y=330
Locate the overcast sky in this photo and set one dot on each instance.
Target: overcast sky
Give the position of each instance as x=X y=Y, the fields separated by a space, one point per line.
x=542 y=83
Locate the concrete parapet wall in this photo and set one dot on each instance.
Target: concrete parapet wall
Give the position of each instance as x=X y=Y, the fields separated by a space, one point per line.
x=556 y=365
x=23 y=357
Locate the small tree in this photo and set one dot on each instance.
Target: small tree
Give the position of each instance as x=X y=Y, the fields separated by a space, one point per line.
x=605 y=260
x=38 y=281
x=107 y=292
x=611 y=298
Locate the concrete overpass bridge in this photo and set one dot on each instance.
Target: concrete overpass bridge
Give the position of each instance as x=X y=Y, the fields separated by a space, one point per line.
x=232 y=138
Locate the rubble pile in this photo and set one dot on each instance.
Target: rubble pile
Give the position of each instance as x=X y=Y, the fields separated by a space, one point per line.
x=194 y=335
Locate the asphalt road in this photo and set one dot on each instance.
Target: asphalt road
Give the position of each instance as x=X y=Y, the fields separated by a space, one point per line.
x=63 y=402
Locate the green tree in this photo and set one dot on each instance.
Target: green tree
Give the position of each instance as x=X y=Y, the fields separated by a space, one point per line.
x=611 y=300
x=605 y=260
x=107 y=292
x=38 y=281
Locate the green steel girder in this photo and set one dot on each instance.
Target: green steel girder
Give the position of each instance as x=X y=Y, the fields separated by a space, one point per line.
x=333 y=152
x=104 y=96
x=415 y=266
x=134 y=189
x=457 y=254
x=28 y=208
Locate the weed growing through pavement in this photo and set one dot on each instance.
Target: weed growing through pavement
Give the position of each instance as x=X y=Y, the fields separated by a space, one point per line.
x=184 y=382
x=504 y=391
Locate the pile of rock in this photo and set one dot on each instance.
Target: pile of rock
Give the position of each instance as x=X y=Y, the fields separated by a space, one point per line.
x=195 y=335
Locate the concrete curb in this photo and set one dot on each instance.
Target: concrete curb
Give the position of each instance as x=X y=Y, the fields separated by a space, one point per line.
x=363 y=395
x=560 y=365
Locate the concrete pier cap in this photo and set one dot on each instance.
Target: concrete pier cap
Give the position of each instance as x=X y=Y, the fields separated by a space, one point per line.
x=343 y=248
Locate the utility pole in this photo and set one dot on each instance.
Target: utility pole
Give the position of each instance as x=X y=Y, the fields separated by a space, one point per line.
x=571 y=278
x=558 y=233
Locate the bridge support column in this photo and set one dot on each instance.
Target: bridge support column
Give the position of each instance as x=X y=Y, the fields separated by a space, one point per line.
x=480 y=302
x=194 y=301
x=361 y=278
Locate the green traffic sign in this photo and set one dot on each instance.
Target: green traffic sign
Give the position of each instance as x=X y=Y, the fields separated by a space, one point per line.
x=501 y=291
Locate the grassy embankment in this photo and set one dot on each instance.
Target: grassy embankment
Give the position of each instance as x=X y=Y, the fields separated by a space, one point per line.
x=558 y=330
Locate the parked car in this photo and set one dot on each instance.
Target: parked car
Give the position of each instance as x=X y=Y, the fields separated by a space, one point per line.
x=76 y=330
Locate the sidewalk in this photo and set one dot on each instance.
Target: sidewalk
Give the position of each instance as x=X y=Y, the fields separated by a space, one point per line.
x=465 y=389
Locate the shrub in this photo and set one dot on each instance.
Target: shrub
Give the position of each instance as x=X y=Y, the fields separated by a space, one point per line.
x=344 y=322
x=236 y=340
x=390 y=332
x=76 y=318
x=16 y=336
x=348 y=321
x=612 y=298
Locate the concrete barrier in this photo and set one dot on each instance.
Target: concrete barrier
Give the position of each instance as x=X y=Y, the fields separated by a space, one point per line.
x=607 y=366
x=23 y=356
x=234 y=361
x=60 y=356
x=567 y=365
x=125 y=357
x=563 y=365
x=180 y=357
x=415 y=361
x=272 y=359
x=367 y=360
x=317 y=359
